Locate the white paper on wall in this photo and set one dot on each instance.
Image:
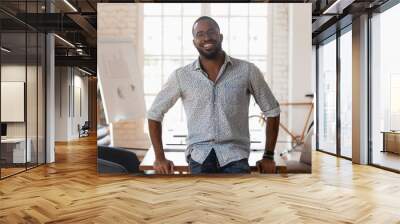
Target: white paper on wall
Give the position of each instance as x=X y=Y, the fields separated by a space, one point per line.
x=12 y=101
x=120 y=79
x=121 y=84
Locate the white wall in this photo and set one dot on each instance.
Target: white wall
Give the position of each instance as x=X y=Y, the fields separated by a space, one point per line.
x=300 y=72
x=67 y=115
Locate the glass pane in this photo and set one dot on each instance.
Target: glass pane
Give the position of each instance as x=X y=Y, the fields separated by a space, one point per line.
x=258 y=9
x=151 y=9
x=189 y=59
x=258 y=35
x=31 y=101
x=152 y=75
x=188 y=48
x=13 y=85
x=346 y=94
x=386 y=89
x=239 y=9
x=172 y=35
x=223 y=23
x=152 y=35
x=238 y=38
x=219 y=9
x=41 y=99
x=172 y=9
x=394 y=101
x=327 y=97
x=261 y=63
x=191 y=9
x=42 y=6
x=175 y=119
x=171 y=63
x=149 y=101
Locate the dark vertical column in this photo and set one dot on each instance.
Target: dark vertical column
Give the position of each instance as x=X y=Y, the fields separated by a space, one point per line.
x=369 y=96
x=37 y=90
x=26 y=87
x=338 y=81
x=317 y=97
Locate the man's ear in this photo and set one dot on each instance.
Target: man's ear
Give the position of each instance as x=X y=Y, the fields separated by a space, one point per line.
x=221 y=37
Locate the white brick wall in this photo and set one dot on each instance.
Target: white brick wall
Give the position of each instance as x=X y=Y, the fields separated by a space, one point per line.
x=278 y=49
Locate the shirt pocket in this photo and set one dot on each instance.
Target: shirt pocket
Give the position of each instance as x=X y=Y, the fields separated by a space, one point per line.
x=197 y=96
x=233 y=98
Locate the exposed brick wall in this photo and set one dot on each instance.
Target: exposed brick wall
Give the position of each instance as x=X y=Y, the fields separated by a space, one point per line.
x=279 y=51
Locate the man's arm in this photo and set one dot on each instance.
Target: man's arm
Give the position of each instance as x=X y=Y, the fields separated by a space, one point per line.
x=161 y=164
x=267 y=163
x=271 y=134
x=164 y=100
x=270 y=108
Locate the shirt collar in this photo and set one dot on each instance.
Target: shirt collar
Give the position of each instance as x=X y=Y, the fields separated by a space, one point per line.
x=197 y=62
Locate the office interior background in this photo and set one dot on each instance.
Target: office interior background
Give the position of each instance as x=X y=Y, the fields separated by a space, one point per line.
x=355 y=102
x=39 y=108
x=355 y=88
x=46 y=56
x=162 y=42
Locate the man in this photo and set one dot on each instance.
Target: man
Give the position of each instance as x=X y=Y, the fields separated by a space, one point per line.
x=215 y=91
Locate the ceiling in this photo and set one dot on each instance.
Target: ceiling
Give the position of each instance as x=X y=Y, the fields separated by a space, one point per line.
x=76 y=22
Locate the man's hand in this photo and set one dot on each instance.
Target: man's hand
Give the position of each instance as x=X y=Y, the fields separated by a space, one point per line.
x=266 y=166
x=164 y=166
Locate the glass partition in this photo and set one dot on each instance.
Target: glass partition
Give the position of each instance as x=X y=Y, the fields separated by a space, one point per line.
x=22 y=91
x=346 y=94
x=327 y=96
x=385 y=89
x=13 y=94
x=31 y=99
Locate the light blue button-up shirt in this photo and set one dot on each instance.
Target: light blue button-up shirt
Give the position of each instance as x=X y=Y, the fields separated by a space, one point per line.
x=217 y=113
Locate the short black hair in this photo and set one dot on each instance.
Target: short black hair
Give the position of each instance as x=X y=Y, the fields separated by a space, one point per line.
x=204 y=18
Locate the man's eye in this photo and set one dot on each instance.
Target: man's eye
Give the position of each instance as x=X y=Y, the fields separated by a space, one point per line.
x=200 y=35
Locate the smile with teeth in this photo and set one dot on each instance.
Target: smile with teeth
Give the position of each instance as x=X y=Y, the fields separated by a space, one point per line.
x=208 y=46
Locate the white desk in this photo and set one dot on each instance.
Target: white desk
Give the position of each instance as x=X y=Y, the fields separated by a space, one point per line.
x=180 y=164
x=17 y=146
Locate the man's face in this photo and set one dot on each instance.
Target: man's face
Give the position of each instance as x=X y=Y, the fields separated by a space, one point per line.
x=207 y=39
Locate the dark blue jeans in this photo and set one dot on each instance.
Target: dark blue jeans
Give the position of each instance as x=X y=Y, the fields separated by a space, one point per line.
x=211 y=165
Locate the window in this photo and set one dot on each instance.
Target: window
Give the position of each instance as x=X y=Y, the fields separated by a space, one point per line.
x=327 y=96
x=346 y=94
x=168 y=43
x=385 y=87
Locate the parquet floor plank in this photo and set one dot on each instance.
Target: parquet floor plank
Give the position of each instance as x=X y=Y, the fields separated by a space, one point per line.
x=71 y=191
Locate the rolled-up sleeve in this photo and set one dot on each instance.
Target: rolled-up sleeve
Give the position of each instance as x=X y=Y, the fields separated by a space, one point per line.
x=262 y=93
x=165 y=99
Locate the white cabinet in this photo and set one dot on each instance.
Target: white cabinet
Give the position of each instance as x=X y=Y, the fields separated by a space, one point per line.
x=18 y=149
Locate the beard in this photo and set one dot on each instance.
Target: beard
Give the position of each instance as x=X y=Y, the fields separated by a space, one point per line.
x=210 y=54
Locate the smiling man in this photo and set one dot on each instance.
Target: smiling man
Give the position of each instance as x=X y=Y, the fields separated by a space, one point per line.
x=215 y=90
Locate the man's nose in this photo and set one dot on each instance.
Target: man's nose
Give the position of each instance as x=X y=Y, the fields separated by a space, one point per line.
x=207 y=37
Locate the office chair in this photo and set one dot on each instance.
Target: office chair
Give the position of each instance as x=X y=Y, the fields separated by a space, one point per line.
x=84 y=130
x=117 y=160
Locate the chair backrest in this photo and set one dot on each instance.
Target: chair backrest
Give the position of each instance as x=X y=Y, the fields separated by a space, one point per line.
x=124 y=157
x=86 y=125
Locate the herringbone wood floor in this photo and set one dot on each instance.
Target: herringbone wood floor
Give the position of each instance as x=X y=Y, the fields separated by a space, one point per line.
x=71 y=191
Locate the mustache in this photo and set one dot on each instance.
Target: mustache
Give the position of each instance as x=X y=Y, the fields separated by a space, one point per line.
x=210 y=42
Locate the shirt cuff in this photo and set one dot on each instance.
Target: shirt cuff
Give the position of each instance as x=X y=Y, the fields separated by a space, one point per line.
x=273 y=112
x=152 y=116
